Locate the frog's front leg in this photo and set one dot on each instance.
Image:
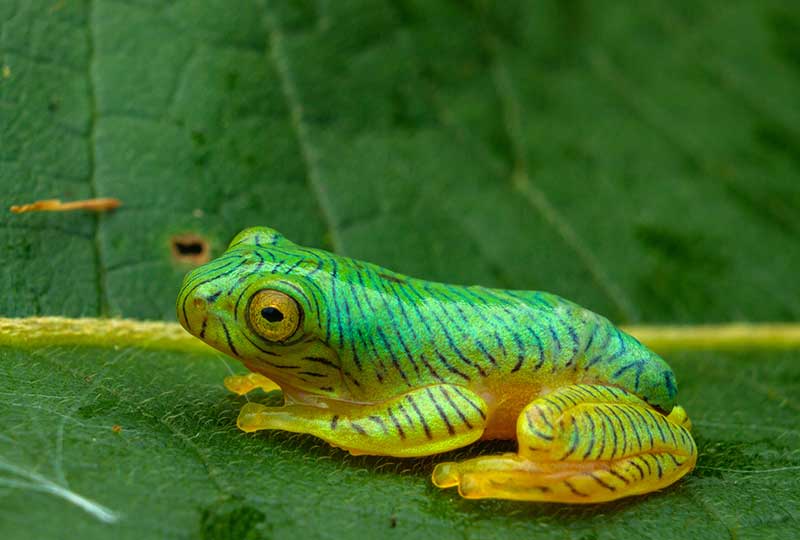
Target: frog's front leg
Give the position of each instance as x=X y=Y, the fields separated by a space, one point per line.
x=581 y=444
x=420 y=422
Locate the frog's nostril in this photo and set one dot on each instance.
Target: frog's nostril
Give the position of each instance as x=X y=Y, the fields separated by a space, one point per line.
x=200 y=304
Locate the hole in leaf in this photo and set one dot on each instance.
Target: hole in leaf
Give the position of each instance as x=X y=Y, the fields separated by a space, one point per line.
x=190 y=248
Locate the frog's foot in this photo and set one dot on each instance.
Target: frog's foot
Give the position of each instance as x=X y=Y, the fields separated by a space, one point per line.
x=421 y=422
x=242 y=384
x=581 y=444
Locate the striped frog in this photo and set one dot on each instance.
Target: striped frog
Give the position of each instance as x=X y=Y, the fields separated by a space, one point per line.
x=376 y=362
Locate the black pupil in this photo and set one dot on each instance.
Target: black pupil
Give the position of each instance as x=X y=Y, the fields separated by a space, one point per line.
x=272 y=314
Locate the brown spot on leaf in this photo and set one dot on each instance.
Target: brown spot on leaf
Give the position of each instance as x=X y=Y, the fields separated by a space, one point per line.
x=190 y=248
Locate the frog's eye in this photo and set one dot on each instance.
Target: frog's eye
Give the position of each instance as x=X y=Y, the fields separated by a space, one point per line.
x=275 y=316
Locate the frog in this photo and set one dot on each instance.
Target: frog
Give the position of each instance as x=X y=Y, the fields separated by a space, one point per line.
x=376 y=362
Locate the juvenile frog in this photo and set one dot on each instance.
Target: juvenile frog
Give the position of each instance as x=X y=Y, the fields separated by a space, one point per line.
x=376 y=362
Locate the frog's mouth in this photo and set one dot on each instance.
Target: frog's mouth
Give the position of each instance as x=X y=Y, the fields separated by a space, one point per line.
x=306 y=367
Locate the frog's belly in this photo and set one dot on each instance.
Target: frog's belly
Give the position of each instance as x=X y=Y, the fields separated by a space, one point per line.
x=506 y=401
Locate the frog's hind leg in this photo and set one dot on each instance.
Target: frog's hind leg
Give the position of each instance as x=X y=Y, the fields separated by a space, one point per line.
x=421 y=422
x=581 y=444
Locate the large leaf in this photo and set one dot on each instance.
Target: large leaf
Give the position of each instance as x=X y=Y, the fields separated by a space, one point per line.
x=640 y=160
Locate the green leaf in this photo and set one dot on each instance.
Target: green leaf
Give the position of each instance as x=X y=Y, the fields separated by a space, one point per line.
x=641 y=160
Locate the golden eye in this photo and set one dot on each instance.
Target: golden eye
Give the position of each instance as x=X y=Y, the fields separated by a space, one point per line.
x=275 y=316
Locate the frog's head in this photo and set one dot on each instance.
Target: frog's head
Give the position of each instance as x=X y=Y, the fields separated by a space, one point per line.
x=259 y=303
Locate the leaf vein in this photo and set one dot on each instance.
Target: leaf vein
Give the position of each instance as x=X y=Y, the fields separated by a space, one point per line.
x=536 y=199
x=310 y=158
x=102 y=289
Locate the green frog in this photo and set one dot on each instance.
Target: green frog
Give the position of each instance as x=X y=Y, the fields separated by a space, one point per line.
x=376 y=362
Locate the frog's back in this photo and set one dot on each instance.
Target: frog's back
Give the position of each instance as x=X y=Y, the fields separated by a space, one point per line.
x=583 y=346
x=428 y=332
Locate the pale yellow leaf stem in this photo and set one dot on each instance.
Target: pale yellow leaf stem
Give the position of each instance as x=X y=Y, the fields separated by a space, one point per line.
x=34 y=332
x=729 y=337
x=41 y=331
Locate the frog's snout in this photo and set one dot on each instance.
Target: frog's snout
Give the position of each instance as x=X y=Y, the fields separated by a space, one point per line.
x=200 y=304
x=194 y=306
x=196 y=316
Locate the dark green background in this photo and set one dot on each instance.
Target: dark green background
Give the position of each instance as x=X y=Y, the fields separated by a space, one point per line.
x=642 y=159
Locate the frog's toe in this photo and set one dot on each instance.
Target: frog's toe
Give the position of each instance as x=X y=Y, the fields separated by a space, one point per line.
x=678 y=416
x=470 y=485
x=252 y=417
x=237 y=384
x=504 y=476
x=446 y=474
x=242 y=384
